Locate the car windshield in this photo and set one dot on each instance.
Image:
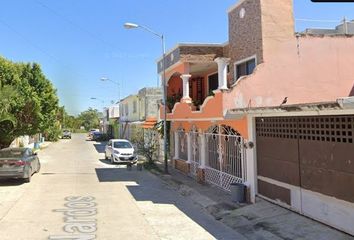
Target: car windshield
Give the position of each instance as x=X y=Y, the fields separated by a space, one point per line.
x=122 y=145
x=11 y=153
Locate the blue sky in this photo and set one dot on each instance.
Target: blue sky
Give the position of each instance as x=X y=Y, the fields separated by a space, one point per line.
x=78 y=42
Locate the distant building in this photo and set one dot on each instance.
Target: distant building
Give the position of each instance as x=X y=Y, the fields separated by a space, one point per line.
x=110 y=120
x=139 y=110
x=344 y=28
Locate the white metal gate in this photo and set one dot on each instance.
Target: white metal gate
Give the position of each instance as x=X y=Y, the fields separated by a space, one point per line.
x=183 y=147
x=195 y=161
x=225 y=157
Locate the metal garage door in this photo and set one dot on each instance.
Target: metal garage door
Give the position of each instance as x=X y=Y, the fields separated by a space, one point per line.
x=313 y=152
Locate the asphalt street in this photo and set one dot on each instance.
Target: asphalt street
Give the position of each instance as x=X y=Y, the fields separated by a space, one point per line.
x=79 y=195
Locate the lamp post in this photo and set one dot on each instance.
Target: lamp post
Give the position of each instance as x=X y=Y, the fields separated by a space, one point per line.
x=104 y=79
x=161 y=36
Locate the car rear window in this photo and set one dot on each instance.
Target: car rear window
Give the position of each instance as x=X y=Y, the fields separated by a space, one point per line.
x=122 y=145
x=11 y=153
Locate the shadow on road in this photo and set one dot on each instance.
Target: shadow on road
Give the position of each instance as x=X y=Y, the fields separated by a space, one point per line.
x=11 y=182
x=108 y=162
x=150 y=188
x=100 y=146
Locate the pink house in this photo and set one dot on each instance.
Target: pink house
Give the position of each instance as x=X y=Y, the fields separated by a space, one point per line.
x=270 y=108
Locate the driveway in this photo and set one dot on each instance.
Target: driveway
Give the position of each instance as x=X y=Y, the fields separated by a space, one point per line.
x=79 y=195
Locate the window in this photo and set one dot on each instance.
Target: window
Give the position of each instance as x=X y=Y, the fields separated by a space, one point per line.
x=244 y=68
x=122 y=145
x=126 y=110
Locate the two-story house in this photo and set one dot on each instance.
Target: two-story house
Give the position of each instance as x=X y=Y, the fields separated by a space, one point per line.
x=270 y=108
x=139 y=111
x=111 y=120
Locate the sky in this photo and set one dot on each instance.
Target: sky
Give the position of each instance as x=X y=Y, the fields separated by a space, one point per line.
x=79 y=42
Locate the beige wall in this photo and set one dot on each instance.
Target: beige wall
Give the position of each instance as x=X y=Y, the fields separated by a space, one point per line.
x=129 y=101
x=321 y=69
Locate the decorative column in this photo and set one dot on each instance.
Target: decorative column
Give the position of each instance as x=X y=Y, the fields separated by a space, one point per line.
x=176 y=145
x=185 y=78
x=222 y=72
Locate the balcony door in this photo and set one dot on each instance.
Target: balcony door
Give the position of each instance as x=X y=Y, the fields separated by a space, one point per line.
x=196 y=90
x=213 y=83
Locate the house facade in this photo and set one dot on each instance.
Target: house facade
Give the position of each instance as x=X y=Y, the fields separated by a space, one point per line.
x=110 y=120
x=139 y=111
x=271 y=108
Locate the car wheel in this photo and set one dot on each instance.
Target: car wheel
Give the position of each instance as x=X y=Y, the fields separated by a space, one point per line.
x=105 y=157
x=27 y=180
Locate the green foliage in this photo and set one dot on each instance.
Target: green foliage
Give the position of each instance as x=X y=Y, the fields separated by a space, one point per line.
x=29 y=99
x=89 y=119
x=147 y=142
x=172 y=100
x=70 y=122
x=53 y=132
x=160 y=128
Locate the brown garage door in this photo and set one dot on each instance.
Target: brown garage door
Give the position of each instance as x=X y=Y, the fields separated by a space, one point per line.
x=313 y=152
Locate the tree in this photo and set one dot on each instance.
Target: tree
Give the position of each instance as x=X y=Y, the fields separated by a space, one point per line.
x=34 y=106
x=147 y=142
x=89 y=118
x=8 y=95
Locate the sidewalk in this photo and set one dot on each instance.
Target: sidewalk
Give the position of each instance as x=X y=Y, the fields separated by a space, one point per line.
x=262 y=220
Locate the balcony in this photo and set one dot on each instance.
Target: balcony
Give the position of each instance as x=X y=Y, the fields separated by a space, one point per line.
x=196 y=74
x=203 y=81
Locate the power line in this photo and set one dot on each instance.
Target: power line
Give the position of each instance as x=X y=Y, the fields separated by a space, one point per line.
x=316 y=20
x=72 y=23
x=37 y=47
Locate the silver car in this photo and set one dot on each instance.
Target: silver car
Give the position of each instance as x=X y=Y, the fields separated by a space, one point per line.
x=120 y=151
x=18 y=163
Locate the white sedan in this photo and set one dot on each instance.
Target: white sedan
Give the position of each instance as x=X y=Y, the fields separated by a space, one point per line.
x=120 y=151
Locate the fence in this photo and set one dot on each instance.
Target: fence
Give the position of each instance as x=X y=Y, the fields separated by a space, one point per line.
x=223 y=151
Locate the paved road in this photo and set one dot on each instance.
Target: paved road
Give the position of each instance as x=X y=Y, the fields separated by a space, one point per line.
x=78 y=195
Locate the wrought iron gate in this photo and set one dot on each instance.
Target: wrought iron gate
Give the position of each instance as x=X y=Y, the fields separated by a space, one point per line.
x=226 y=157
x=195 y=161
x=182 y=148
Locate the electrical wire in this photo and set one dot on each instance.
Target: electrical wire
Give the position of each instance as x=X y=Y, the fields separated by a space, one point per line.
x=317 y=20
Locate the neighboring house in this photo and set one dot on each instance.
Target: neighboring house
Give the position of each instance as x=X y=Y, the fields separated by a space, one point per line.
x=110 y=120
x=271 y=109
x=344 y=28
x=138 y=111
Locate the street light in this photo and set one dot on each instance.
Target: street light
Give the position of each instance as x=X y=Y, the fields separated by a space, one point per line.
x=104 y=79
x=161 y=36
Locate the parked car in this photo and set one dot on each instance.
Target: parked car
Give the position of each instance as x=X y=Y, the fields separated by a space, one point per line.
x=18 y=163
x=90 y=133
x=66 y=134
x=120 y=151
x=96 y=136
